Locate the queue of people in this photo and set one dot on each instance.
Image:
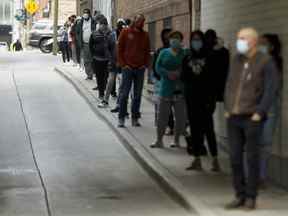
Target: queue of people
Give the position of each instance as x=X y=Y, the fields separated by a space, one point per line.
x=188 y=85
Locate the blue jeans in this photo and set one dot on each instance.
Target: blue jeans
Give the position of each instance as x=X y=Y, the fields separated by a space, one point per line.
x=131 y=77
x=244 y=137
x=267 y=138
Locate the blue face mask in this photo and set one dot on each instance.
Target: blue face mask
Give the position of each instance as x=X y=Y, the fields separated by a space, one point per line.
x=263 y=49
x=175 y=43
x=196 y=45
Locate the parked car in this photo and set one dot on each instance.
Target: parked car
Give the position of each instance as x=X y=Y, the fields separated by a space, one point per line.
x=41 y=35
x=4 y=47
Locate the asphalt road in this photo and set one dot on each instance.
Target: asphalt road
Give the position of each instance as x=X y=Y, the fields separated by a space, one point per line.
x=57 y=157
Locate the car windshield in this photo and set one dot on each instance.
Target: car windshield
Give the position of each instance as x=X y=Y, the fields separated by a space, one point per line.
x=40 y=26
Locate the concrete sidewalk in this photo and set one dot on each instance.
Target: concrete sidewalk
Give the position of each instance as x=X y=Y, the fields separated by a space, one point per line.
x=205 y=192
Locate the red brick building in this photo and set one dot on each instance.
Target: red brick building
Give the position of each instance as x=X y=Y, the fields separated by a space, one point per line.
x=159 y=14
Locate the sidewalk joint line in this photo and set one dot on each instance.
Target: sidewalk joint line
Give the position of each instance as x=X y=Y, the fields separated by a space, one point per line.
x=31 y=146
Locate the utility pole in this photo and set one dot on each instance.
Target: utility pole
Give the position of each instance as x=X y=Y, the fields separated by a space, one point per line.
x=55 y=27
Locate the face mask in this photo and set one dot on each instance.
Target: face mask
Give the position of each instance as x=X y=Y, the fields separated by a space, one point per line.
x=242 y=46
x=175 y=43
x=86 y=16
x=263 y=49
x=196 y=45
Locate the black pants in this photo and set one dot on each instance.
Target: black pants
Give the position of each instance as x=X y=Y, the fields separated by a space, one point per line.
x=64 y=47
x=244 y=137
x=200 y=116
x=100 y=69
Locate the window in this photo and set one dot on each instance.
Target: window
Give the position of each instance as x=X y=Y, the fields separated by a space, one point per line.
x=167 y=22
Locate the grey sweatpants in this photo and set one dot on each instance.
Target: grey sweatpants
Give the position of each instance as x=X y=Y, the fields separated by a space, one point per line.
x=178 y=105
x=87 y=59
x=110 y=85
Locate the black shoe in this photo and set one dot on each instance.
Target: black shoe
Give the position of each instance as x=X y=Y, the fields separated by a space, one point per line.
x=121 y=123
x=215 y=165
x=95 y=89
x=196 y=165
x=89 y=78
x=250 y=204
x=115 y=110
x=135 y=123
x=235 y=204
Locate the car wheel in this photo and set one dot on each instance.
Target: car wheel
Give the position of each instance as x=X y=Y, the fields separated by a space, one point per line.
x=44 y=47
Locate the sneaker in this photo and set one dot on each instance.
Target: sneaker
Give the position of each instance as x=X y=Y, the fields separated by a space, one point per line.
x=135 y=123
x=103 y=104
x=115 y=110
x=157 y=144
x=175 y=145
x=215 y=165
x=235 y=204
x=114 y=95
x=89 y=78
x=95 y=88
x=121 y=123
x=196 y=165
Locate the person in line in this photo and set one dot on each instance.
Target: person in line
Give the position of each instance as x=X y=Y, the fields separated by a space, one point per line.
x=250 y=92
x=64 y=43
x=218 y=58
x=111 y=86
x=199 y=97
x=171 y=93
x=102 y=48
x=165 y=44
x=85 y=26
x=270 y=44
x=72 y=40
x=133 y=57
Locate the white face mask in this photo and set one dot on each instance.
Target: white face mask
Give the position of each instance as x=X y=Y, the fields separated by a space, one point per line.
x=242 y=46
x=86 y=16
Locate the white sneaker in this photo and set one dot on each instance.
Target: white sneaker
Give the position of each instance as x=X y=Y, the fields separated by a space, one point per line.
x=103 y=104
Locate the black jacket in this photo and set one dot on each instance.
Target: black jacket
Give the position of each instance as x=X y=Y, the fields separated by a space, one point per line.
x=102 y=45
x=218 y=67
x=196 y=78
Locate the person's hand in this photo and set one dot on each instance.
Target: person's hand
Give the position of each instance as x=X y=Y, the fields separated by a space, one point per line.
x=127 y=67
x=256 y=117
x=227 y=115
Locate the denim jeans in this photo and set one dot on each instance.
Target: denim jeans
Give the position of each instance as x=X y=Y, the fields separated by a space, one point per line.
x=267 y=138
x=244 y=137
x=131 y=77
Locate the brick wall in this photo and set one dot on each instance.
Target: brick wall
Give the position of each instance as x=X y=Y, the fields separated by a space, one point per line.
x=227 y=17
x=156 y=11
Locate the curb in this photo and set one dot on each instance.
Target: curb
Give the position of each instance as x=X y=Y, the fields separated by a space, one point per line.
x=160 y=174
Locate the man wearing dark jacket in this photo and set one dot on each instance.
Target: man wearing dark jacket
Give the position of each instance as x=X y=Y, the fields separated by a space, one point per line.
x=84 y=29
x=251 y=87
x=102 y=48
